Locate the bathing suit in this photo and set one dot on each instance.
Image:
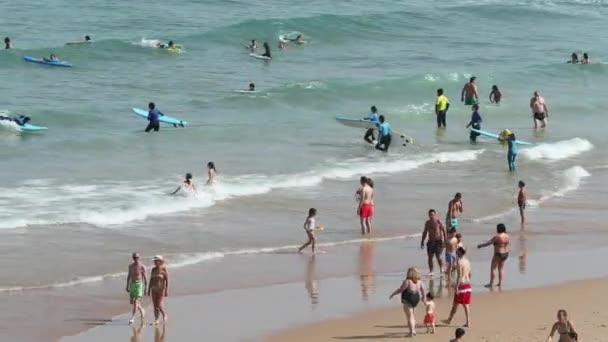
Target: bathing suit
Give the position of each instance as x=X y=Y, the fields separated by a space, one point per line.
x=429 y=318
x=539 y=116
x=136 y=290
x=450 y=258
x=463 y=294
x=470 y=100
x=502 y=256
x=451 y=223
x=434 y=247
x=367 y=210
x=410 y=298
x=521 y=204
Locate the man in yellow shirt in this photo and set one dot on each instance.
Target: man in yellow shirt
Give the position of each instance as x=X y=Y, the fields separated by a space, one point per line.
x=441 y=108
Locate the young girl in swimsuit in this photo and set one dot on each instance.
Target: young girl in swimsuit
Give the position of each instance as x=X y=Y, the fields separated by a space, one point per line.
x=500 y=241
x=309 y=227
x=411 y=291
x=565 y=328
x=159 y=288
x=187 y=186
x=211 y=173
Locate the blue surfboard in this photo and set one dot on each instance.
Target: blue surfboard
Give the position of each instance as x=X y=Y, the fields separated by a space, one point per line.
x=57 y=63
x=166 y=119
x=496 y=136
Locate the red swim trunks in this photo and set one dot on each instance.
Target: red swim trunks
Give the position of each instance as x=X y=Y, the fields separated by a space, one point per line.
x=463 y=294
x=429 y=318
x=367 y=210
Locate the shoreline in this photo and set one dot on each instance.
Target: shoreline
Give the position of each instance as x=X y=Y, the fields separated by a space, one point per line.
x=522 y=314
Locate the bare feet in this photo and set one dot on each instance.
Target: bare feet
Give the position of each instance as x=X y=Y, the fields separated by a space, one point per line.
x=489 y=286
x=154 y=323
x=447 y=321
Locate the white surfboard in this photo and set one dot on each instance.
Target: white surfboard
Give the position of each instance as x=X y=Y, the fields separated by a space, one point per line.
x=255 y=55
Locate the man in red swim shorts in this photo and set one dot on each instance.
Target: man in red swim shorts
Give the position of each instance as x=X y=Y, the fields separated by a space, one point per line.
x=462 y=296
x=365 y=210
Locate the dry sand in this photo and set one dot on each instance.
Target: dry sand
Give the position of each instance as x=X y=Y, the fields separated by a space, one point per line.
x=519 y=315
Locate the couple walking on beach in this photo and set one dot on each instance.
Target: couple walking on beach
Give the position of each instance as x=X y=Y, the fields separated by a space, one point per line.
x=157 y=288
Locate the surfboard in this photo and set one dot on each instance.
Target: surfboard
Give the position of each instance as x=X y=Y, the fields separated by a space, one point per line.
x=165 y=119
x=255 y=55
x=397 y=137
x=25 y=128
x=245 y=91
x=57 y=63
x=496 y=136
x=78 y=43
x=284 y=39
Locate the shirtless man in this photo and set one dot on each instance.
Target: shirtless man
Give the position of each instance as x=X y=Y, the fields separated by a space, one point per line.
x=469 y=93
x=462 y=296
x=437 y=236
x=451 y=245
x=454 y=207
x=365 y=210
x=136 y=286
x=539 y=110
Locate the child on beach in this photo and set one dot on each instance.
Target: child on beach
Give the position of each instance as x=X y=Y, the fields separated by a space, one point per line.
x=429 y=318
x=458 y=334
x=309 y=227
x=495 y=95
x=522 y=198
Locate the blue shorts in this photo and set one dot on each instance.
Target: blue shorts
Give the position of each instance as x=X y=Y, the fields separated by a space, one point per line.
x=450 y=258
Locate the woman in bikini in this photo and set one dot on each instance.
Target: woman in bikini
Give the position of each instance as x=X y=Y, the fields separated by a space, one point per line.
x=565 y=328
x=158 y=288
x=500 y=241
x=411 y=291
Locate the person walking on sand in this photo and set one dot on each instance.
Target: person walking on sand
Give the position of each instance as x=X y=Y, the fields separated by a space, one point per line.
x=454 y=207
x=437 y=236
x=564 y=327
x=459 y=335
x=522 y=200
x=469 y=94
x=462 y=295
x=500 y=241
x=136 y=286
x=429 y=317
x=159 y=288
x=211 y=173
x=365 y=209
x=309 y=227
x=411 y=291
x=540 y=112
x=441 y=108
x=451 y=245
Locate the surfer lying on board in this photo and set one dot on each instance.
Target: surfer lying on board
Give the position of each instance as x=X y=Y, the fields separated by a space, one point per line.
x=52 y=58
x=266 y=50
x=475 y=123
x=384 y=132
x=153 y=116
x=187 y=186
x=19 y=120
x=373 y=117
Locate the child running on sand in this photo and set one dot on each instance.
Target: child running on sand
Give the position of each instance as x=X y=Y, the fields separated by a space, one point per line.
x=309 y=227
x=522 y=198
x=429 y=318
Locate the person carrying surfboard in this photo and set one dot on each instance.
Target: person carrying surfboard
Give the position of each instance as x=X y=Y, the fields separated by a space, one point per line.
x=373 y=117
x=475 y=123
x=153 y=115
x=384 y=132
x=509 y=137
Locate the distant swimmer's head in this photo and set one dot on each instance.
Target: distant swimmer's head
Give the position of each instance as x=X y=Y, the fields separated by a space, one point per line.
x=472 y=79
x=495 y=88
x=7 y=40
x=521 y=184
x=151 y=105
x=211 y=165
x=585 y=56
x=253 y=42
x=381 y=118
x=501 y=228
x=87 y=38
x=412 y=274
x=188 y=176
x=475 y=107
x=439 y=91
x=374 y=109
x=536 y=93
x=170 y=43
x=461 y=252
x=251 y=86
x=363 y=180
x=312 y=212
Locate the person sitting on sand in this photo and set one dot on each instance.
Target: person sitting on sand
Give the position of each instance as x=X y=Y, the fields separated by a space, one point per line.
x=564 y=327
x=500 y=241
x=429 y=317
x=411 y=291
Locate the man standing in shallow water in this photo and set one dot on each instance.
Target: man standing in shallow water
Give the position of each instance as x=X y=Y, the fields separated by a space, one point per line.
x=454 y=207
x=539 y=110
x=469 y=94
x=437 y=236
x=136 y=286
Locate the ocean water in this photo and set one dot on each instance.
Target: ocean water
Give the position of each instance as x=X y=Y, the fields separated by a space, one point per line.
x=94 y=187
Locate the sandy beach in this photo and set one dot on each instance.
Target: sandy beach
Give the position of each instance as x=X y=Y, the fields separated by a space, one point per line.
x=517 y=315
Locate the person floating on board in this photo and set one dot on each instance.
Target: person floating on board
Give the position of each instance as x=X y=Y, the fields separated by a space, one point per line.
x=52 y=58
x=441 y=108
x=252 y=46
x=169 y=45
x=469 y=93
x=19 y=120
x=267 y=50
x=7 y=43
x=251 y=86
x=509 y=137
x=373 y=117
x=153 y=116
x=187 y=186
x=384 y=135
x=495 y=95
x=475 y=123
x=574 y=58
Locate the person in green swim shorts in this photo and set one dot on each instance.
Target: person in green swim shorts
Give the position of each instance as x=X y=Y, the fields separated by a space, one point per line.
x=137 y=284
x=469 y=94
x=454 y=208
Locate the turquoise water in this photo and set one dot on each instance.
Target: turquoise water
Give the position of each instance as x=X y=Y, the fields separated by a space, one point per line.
x=280 y=151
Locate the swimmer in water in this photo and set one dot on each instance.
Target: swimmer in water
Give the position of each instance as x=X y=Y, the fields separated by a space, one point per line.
x=7 y=43
x=251 y=86
x=574 y=58
x=169 y=45
x=267 y=50
x=495 y=95
x=211 y=173
x=52 y=58
x=252 y=46
x=585 y=59
x=187 y=186
x=522 y=199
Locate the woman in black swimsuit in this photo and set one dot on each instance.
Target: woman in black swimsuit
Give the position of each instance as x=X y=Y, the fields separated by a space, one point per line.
x=411 y=291
x=500 y=241
x=564 y=327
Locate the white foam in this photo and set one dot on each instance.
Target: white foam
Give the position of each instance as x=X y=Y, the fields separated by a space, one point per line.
x=557 y=151
x=183 y=260
x=153 y=43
